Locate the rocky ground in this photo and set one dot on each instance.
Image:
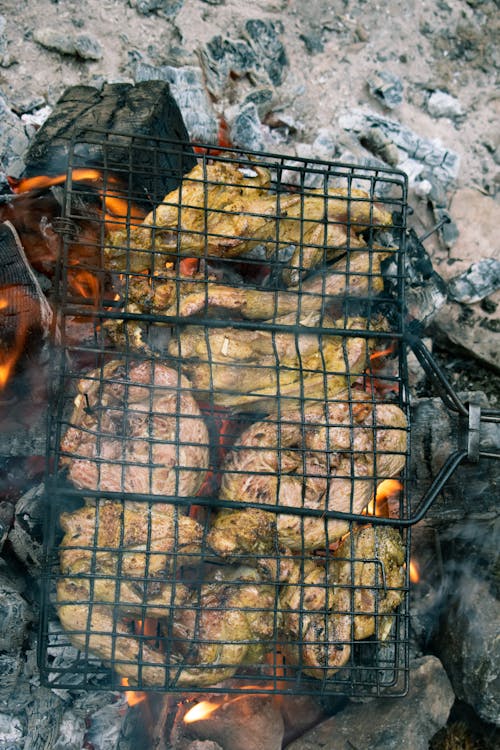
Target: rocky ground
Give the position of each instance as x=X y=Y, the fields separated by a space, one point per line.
x=410 y=85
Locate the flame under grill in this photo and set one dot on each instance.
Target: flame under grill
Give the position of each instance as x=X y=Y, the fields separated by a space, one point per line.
x=231 y=405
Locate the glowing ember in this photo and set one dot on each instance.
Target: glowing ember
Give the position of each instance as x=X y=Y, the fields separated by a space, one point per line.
x=382 y=352
x=414 y=572
x=201 y=711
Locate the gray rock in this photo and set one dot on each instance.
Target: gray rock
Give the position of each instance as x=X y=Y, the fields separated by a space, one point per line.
x=469 y=645
x=383 y=724
x=84 y=46
x=259 y=54
x=188 y=89
x=166 y=8
x=246 y=129
x=13 y=141
x=387 y=88
x=441 y=104
x=442 y=163
x=479 y=281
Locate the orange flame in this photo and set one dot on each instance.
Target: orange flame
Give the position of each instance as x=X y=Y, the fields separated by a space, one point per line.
x=414 y=572
x=9 y=358
x=116 y=207
x=85 y=284
x=387 y=490
x=133 y=696
x=201 y=710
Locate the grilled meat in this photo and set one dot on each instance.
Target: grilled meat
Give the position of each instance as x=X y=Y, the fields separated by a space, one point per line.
x=252 y=369
x=136 y=428
x=357 y=275
x=230 y=625
x=326 y=457
x=371 y=559
x=219 y=210
x=227 y=626
x=316 y=624
x=224 y=210
x=94 y=628
x=130 y=551
x=324 y=609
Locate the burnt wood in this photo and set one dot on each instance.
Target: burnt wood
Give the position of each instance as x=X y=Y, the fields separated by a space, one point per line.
x=472 y=491
x=147 y=110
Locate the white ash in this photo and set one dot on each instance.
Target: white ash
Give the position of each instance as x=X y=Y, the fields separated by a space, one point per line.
x=441 y=104
x=478 y=282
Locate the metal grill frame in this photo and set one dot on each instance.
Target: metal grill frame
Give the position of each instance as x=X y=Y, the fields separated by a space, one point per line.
x=375 y=667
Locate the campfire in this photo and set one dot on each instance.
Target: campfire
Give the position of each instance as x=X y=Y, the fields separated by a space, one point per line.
x=227 y=488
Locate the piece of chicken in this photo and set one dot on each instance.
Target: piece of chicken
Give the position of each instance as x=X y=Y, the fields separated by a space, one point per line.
x=229 y=624
x=356 y=275
x=316 y=624
x=131 y=552
x=326 y=605
x=220 y=210
x=372 y=560
x=254 y=369
x=136 y=428
x=324 y=457
x=224 y=210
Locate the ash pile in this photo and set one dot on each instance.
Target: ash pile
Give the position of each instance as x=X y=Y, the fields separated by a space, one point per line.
x=237 y=90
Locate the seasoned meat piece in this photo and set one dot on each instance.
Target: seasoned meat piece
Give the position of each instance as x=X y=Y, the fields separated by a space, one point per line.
x=358 y=275
x=219 y=210
x=224 y=210
x=136 y=428
x=316 y=624
x=251 y=369
x=130 y=551
x=372 y=559
x=325 y=608
x=226 y=627
x=94 y=628
x=323 y=457
x=230 y=625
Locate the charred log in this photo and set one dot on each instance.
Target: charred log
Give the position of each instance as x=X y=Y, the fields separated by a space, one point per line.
x=147 y=111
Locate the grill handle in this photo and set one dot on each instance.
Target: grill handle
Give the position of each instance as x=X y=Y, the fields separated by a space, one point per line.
x=473 y=416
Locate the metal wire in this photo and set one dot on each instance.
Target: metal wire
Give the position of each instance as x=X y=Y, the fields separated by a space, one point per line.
x=240 y=382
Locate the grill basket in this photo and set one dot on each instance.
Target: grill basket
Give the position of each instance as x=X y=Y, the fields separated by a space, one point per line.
x=229 y=398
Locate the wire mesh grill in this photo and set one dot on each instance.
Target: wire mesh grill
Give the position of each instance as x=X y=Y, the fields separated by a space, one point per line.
x=229 y=432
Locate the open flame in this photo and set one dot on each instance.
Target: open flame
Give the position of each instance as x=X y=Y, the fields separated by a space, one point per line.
x=133 y=696
x=117 y=208
x=414 y=572
x=9 y=357
x=386 y=495
x=201 y=710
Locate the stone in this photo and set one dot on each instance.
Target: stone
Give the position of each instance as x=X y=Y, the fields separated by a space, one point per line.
x=441 y=104
x=387 y=88
x=84 y=46
x=480 y=280
x=246 y=129
x=383 y=724
x=188 y=89
x=469 y=645
x=167 y=8
x=13 y=141
x=469 y=329
x=476 y=217
x=433 y=160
